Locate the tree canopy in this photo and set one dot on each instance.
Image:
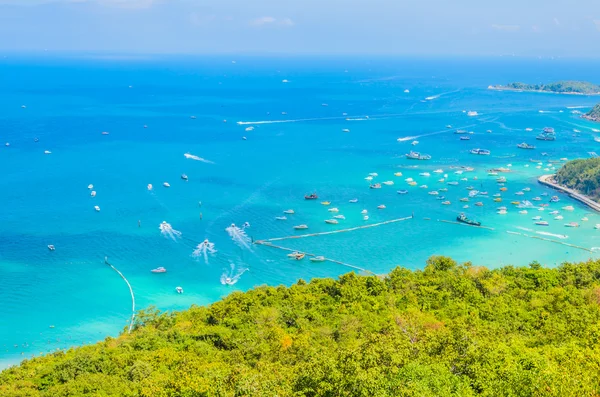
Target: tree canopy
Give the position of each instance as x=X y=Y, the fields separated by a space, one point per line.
x=570 y=87
x=593 y=114
x=447 y=330
x=582 y=175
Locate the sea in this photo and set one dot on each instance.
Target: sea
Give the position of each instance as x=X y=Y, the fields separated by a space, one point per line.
x=254 y=135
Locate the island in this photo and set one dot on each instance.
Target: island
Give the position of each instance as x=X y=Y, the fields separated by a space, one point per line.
x=559 y=87
x=594 y=114
x=450 y=329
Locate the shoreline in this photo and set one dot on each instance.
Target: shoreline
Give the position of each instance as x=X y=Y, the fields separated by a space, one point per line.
x=548 y=180
x=501 y=88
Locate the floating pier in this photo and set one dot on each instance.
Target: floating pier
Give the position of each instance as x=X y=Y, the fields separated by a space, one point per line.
x=130 y=291
x=334 y=231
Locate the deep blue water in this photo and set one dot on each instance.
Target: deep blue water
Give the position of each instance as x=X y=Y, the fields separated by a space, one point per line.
x=44 y=198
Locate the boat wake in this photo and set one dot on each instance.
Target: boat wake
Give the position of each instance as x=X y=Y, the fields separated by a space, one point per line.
x=560 y=236
x=239 y=236
x=232 y=275
x=525 y=229
x=204 y=249
x=167 y=230
x=431 y=98
x=406 y=138
x=290 y=121
x=577 y=107
x=197 y=158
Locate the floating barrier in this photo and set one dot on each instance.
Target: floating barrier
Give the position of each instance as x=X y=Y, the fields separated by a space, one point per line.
x=130 y=291
x=334 y=231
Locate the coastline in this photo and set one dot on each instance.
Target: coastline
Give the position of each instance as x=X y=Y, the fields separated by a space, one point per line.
x=501 y=88
x=548 y=180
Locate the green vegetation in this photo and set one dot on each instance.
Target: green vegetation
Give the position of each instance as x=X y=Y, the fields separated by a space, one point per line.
x=582 y=175
x=594 y=114
x=448 y=330
x=561 y=87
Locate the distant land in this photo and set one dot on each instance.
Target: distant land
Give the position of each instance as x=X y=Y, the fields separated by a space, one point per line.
x=581 y=175
x=559 y=87
x=594 y=114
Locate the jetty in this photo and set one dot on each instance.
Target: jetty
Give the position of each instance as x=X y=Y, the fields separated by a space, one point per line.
x=130 y=291
x=548 y=180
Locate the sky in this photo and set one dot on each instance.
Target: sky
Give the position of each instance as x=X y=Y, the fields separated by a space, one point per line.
x=566 y=28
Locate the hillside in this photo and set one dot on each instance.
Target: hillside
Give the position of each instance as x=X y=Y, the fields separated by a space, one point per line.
x=449 y=330
x=559 y=87
x=582 y=175
x=594 y=114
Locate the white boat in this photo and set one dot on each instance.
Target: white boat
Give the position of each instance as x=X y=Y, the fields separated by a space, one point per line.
x=423 y=186
x=408 y=180
x=443 y=189
x=502 y=212
x=537 y=218
x=51 y=247
x=47 y=152
x=333 y=210
x=353 y=201
x=554 y=213
x=453 y=183
x=345 y=130
x=249 y=129
x=438 y=171
x=93 y=193
x=397 y=174
x=568 y=208
x=289 y=212
x=414 y=143
x=331 y=221
x=159 y=270
x=369 y=178
x=166 y=184
x=97 y=208
x=584 y=219
x=434 y=193
x=301 y=227
x=388 y=183
x=342 y=217
x=406 y=91
x=365 y=218
x=179 y=290
x=542 y=223
x=317 y=259
x=597 y=226
x=281 y=218
x=373 y=174
x=425 y=174
x=381 y=207
x=364 y=212
x=446 y=203
x=7 y=144
x=466 y=206
x=149 y=186
x=90 y=186
x=572 y=224
x=519 y=193
x=472 y=113
x=464 y=179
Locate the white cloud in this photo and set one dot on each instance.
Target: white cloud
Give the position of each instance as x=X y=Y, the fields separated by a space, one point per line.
x=506 y=28
x=271 y=21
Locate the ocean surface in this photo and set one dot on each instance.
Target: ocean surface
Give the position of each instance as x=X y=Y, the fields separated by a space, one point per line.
x=299 y=109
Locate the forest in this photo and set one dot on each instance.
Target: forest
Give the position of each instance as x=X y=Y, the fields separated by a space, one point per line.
x=582 y=175
x=563 y=87
x=450 y=329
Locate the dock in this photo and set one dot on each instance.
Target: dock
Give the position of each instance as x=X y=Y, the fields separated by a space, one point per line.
x=130 y=291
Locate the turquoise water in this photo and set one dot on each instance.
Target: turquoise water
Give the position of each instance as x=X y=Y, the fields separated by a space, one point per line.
x=44 y=199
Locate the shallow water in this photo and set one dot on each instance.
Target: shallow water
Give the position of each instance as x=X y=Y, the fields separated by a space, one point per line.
x=45 y=200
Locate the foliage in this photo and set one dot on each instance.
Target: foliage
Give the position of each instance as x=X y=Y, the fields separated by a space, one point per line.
x=593 y=114
x=571 y=87
x=582 y=175
x=448 y=330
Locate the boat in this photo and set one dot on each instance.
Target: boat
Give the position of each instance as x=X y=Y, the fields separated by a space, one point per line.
x=166 y=184
x=7 y=144
x=364 y=212
x=463 y=219
x=317 y=259
x=519 y=193
x=365 y=218
x=345 y=130
x=47 y=152
x=528 y=129
x=497 y=199
x=548 y=130
x=402 y=191
x=473 y=193
x=423 y=187
x=438 y=171
x=397 y=174
x=466 y=206
x=369 y=178
x=449 y=126
x=353 y=201
x=501 y=180
x=289 y=212
x=453 y=183
x=149 y=186
x=417 y=156
x=501 y=212
x=413 y=183
x=414 y=143
x=515 y=202
x=525 y=146
x=527 y=189
x=460 y=132
x=373 y=174
x=465 y=138
x=331 y=221
x=554 y=213
x=572 y=224
x=433 y=193
x=388 y=183
x=325 y=202
x=51 y=247
x=193 y=117
x=248 y=129
x=97 y=208
x=294 y=255
x=440 y=198
x=469 y=188
x=381 y=207
x=312 y=196
x=523 y=212
x=483 y=152
x=493 y=173
x=446 y=202
x=342 y=217
x=542 y=223
x=375 y=186
x=479 y=204
x=159 y=270
x=333 y=210
x=537 y=218
x=559 y=218
x=93 y=193
x=464 y=199
x=472 y=113
x=90 y=186
x=584 y=219
x=496 y=195
x=503 y=189
x=537 y=199
x=554 y=199
x=184 y=177
x=301 y=227
x=568 y=208
x=546 y=137
x=179 y=290
x=597 y=226
x=424 y=174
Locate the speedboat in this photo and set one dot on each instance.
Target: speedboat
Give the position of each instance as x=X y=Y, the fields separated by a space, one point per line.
x=548 y=130
x=193 y=117
x=375 y=186
x=345 y=130
x=47 y=152
x=423 y=187
x=525 y=146
x=90 y=186
x=97 y=208
x=453 y=183
x=479 y=204
x=460 y=132
x=149 y=186
x=312 y=196
x=501 y=212
x=438 y=171
x=464 y=199
x=249 y=129
x=414 y=143
x=317 y=259
x=473 y=193
x=353 y=201
x=572 y=224
x=333 y=210
x=537 y=199
x=584 y=219
x=519 y=193
x=527 y=189
x=325 y=202
x=364 y=212
x=597 y=226
x=469 y=188
x=542 y=223
x=331 y=221
x=501 y=179
x=51 y=247
x=381 y=207
x=537 y=218
x=281 y=218
x=402 y=191
x=554 y=213
x=93 y=193
x=523 y=212
x=159 y=270
x=417 y=156
x=166 y=184
x=373 y=174
x=397 y=174
x=484 y=152
x=289 y=212
x=365 y=218
x=369 y=178
x=446 y=203
x=342 y=217
x=546 y=137
x=301 y=227
x=433 y=193
x=388 y=183
x=179 y=290
x=184 y=177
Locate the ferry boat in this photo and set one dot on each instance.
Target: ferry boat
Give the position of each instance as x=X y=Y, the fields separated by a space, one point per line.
x=463 y=219
x=159 y=270
x=525 y=146
x=478 y=151
x=417 y=156
x=312 y=196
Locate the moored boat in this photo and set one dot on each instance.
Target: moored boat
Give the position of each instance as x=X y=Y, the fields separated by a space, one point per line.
x=525 y=146
x=478 y=151
x=159 y=270
x=317 y=259
x=301 y=227
x=312 y=196
x=463 y=219
x=417 y=156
